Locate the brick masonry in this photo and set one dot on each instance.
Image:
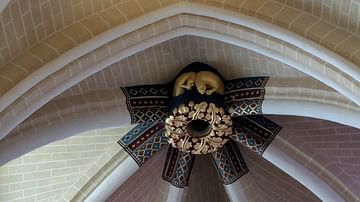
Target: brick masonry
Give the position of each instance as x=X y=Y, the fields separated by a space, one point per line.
x=205 y=184
x=334 y=146
x=26 y=22
x=46 y=173
x=162 y=62
x=345 y=14
x=7 y=80
x=146 y=184
x=265 y=182
x=342 y=42
x=23 y=24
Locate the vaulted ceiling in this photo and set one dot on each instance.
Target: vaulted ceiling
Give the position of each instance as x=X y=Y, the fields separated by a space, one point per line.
x=62 y=61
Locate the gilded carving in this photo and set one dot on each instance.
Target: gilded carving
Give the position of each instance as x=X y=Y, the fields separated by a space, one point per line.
x=206 y=82
x=184 y=82
x=179 y=135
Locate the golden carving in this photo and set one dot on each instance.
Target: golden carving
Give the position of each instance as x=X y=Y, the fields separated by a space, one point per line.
x=206 y=83
x=184 y=81
x=178 y=133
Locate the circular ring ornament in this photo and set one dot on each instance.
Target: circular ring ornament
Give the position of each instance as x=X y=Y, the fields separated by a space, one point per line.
x=198 y=128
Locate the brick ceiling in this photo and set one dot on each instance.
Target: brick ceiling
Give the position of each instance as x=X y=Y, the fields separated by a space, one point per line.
x=45 y=173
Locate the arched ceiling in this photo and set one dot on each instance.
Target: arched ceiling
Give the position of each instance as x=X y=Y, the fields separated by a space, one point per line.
x=335 y=144
x=64 y=52
x=276 y=189
x=101 y=58
x=338 y=41
x=68 y=159
x=265 y=183
x=47 y=173
x=160 y=63
x=32 y=22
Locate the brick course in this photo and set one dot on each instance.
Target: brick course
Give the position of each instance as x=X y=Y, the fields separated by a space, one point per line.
x=332 y=145
x=46 y=173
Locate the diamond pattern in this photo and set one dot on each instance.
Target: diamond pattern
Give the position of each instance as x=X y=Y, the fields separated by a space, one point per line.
x=244 y=96
x=157 y=90
x=147 y=103
x=229 y=163
x=178 y=167
x=243 y=83
x=255 y=132
x=144 y=141
x=244 y=107
x=148 y=114
x=248 y=139
x=147 y=150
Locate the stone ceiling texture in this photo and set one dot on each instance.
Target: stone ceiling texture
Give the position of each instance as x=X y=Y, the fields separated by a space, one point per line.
x=265 y=182
x=160 y=64
x=95 y=21
x=47 y=173
x=36 y=34
x=333 y=146
x=344 y=13
x=26 y=22
x=60 y=43
x=146 y=185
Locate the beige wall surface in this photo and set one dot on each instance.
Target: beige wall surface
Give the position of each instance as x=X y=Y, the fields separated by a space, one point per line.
x=46 y=173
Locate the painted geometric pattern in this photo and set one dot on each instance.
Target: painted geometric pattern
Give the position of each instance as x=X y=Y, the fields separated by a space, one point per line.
x=178 y=166
x=255 y=132
x=245 y=107
x=229 y=163
x=143 y=141
x=245 y=96
x=147 y=102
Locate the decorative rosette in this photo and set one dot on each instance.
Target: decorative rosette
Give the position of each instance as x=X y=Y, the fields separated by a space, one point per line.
x=198 y=128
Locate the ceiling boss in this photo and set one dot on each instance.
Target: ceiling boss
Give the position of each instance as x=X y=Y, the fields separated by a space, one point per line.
x=198 y=122
x=199 y=112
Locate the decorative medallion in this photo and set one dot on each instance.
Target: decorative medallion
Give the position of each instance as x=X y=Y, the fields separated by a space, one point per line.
x=198 y=128
x=195 y=124
x=198 y=113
